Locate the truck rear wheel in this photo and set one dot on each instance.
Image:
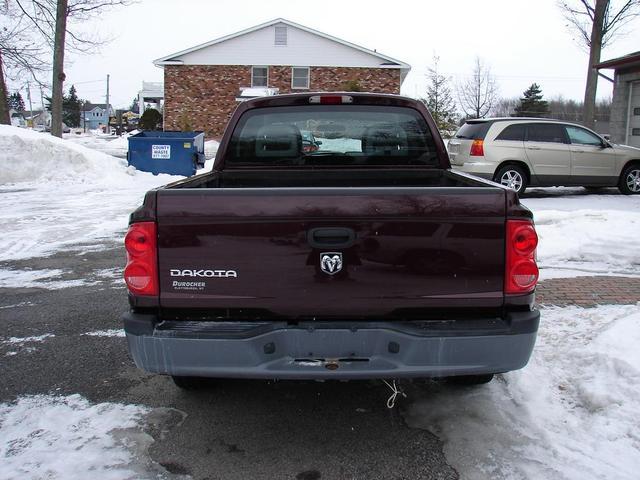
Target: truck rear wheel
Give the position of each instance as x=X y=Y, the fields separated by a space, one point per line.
x=471 y=379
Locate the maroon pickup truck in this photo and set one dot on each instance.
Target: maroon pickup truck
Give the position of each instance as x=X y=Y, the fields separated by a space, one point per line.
x=359 y=256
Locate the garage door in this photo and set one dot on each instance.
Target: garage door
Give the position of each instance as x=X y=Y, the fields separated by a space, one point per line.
x=634 y=115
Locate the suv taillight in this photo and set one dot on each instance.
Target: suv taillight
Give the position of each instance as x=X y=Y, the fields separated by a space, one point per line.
x=141 y=272
x=477 y=148
x=521 y=271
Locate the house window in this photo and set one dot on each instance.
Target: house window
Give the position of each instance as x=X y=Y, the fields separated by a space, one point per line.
x=636 y=111
x=259 y=76
x=280 y=36
x=635 y=132
x=300 y=77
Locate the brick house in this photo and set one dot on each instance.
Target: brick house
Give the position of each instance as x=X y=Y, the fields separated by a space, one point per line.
x=203 y=84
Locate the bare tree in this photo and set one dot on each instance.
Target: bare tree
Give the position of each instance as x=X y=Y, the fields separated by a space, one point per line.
x=505 y=107
x=55 y=21
x=597 y=23
x=479 y=93
x=22 y=56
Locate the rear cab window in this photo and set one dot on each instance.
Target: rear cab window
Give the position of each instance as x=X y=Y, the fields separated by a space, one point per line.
x=331 y=135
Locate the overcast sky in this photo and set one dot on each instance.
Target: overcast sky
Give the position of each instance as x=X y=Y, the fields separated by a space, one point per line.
x=524 y=41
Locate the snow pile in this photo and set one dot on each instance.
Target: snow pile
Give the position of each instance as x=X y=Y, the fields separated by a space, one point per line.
x=68 y=438
x=108 y=144
x=210 y=150
x=59 y=195
x=572 y=413
x=28 y=156
x=590 y=233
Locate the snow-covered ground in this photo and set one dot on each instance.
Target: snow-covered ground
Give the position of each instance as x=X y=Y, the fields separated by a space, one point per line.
x=587 y=234
x=109 y=144
x=58 y=195
x=55 y=437
x=572 y=413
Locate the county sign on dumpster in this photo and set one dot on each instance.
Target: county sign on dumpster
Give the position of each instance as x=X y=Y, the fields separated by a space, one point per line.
x=161 y=152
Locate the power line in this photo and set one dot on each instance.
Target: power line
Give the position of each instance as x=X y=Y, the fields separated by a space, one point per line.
x=88 y=81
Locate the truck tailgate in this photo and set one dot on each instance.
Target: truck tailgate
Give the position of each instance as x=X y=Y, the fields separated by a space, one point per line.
x=331 y=252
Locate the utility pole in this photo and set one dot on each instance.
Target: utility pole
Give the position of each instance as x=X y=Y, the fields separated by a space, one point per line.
x=31 y=106
x=108 y=129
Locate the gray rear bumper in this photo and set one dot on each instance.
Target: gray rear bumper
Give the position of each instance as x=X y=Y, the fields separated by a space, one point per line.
x=330 y=350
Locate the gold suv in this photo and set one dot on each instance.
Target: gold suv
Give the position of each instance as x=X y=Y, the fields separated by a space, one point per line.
x=523 y=152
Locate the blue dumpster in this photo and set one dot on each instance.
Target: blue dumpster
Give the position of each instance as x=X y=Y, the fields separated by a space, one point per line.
x=175 y=153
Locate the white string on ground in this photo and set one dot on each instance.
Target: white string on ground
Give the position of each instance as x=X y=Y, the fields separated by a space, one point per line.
x=391 y=402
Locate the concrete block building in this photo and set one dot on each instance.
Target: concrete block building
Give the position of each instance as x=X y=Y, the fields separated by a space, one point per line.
x=203 y=84
x=625 y=109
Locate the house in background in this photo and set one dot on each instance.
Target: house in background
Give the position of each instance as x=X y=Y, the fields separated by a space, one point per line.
x=17 y=118
x=625 y=109
x=41 y=120
x=203 y=84
x=151 y=95
x=95 y=116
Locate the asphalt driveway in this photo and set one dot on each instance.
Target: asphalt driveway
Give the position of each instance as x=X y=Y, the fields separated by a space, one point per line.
x=235 y=429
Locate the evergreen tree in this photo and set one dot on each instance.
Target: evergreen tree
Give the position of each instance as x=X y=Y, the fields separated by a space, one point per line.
x=16 y=102
x=531 y=104
x=134 y=107
x=439 y=99
x=71 y=106
x=151 y=119
x=351 y=86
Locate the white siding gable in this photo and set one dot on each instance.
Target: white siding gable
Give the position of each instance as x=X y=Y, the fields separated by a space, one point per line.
x=303 y=48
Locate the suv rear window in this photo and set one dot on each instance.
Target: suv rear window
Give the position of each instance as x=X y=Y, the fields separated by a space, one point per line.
x=342 y=135
x=473 y=130
x=512 y=132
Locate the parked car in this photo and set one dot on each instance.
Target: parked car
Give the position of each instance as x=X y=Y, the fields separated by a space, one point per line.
x=378 y=262
x=523 y=152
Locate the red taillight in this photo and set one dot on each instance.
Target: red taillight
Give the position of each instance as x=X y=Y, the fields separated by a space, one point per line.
x=521 y=271
x=477 y=148
x=525 y=239
x=141 y=272
x=331 y=99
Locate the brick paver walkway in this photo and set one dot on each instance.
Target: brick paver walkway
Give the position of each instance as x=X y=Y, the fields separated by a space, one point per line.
x=588 y=291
